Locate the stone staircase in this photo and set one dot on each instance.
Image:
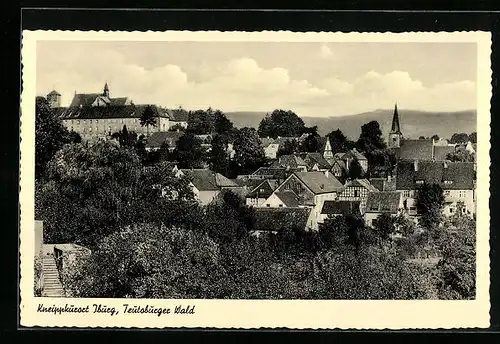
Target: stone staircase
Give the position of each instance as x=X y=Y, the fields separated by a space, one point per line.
x=52 y=286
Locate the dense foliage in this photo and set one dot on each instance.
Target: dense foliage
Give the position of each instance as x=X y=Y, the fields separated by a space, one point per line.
x=281 y=123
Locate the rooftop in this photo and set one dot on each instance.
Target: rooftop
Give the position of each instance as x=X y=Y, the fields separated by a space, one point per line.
x=319 y=183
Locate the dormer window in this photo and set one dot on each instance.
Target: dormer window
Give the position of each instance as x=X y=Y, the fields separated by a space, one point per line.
x=420 y=181
x=448 y=182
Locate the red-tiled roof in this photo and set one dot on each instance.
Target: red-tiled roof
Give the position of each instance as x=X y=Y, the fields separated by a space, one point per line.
x=383 y=202
x=279 y=219
x=460 y=174
x=158 y=138
x=319 y=183
x=416 y=150
x=110 y=111
x=289 y=198
x=341 y=207
x=207 y=180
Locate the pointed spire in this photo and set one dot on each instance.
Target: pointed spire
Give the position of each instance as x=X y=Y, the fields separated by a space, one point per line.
x=395 y=121
x=106 y=90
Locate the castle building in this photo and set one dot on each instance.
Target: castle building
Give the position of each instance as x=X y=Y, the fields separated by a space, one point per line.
x=98 y=115
x=395 y=135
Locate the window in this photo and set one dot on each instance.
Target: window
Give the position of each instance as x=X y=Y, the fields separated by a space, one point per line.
x=447 y=193
x=448 y=182
x=281 y=205
x=261 y=190
x=419 y=181
x=356 y=193
x=90 y=129
x=268 y=205
x=406 y=193
x=461 y=194
x=77 y=121
x=451 y=210
x=90 y=121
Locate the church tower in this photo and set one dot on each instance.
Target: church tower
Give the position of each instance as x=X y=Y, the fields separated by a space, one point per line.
x=106 y=90
x=395 y=134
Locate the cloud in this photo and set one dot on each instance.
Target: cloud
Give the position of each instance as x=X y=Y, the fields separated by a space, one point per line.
x=325 y=52
x=242 y=84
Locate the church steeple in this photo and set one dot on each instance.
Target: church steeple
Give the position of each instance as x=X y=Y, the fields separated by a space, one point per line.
x=395 y=121
x=395 y=135
x=106 y=90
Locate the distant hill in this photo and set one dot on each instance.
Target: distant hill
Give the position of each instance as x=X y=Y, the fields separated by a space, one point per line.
x=413 y=123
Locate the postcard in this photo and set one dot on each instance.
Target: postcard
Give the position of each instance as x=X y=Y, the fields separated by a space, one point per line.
x=316 y=180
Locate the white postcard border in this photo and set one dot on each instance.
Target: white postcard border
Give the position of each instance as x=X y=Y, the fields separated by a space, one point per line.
x=300 y=314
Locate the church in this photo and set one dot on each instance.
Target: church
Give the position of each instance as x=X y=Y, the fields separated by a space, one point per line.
x=95 y=115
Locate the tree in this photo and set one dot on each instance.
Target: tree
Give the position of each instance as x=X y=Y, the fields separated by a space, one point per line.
x=164 y=151
x=457 y=268
x=430 y=203
x=148 y=118
x=126 y=138
x=473 y=137
x=50 y=136
x=176 y=127
x=281 y=123
x=249 y=154
x=355 y=170
x=384 y=225
x=219 y=161
x=188 y=152
x=459 y=138
x=201 y=122
x=288 y=147
x=370 y=138
x=91 y=190
x=460 y=155
x=339 y=141
x=149 y=261
x=222 y=123
x=435 y=137
x=421 y=137
x=311 y=144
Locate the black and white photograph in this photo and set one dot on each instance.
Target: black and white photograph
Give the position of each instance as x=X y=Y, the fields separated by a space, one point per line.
x=256 y=170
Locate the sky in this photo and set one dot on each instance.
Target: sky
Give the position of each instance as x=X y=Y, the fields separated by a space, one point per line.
x=312 y=78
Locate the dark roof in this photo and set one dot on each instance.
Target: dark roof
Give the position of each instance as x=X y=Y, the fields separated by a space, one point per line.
x=341 y=207
x=395 y=121
x=84 y=99
x=118 y=101
x=460 y=174
x=319 y=183
x=273 y=173
x=178 y=115
x=289 y=198
x=278 y=219
x=288 y=161
x=315 y=158
x=416 y=150
x=383 y=201
x=440 y=152
x=268 y=185
x=54 y=92
x=362 y=183
x=207 y=180
x=110 y=111
x=158 y=138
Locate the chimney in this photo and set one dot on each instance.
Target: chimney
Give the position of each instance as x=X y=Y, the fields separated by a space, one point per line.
x=327 y=174
x=445 y=164
x=415 y=165
x=389 y=177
